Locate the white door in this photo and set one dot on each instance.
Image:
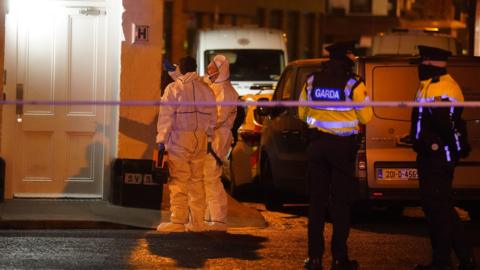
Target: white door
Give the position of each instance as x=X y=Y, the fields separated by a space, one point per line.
x=55 y=51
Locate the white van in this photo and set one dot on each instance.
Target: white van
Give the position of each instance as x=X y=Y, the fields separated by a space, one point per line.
x=257 y=56
x=405 y=42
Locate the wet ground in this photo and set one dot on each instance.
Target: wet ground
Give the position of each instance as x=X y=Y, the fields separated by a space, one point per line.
x=379 y=241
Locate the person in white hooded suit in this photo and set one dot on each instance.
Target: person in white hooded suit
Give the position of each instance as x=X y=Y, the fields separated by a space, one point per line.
x=186 y=131
x=218 y=73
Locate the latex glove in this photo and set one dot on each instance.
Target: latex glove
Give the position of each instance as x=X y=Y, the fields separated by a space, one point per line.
x=167 y=66
x=209 y=147
x=161 y=147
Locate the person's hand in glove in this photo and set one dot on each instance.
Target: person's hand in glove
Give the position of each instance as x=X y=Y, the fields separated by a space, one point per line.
x=161 y=152
x=161 y=147
x=209 y=147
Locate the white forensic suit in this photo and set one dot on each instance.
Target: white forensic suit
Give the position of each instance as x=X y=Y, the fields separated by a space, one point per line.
x=185 y=131
x=214 y=191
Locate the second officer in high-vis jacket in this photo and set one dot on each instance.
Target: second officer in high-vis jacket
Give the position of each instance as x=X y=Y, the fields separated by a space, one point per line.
x=437 y=139
x=332 y=151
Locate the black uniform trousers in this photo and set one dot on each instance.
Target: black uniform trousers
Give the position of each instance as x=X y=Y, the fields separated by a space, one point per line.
x=331 y=168
x=445 y=228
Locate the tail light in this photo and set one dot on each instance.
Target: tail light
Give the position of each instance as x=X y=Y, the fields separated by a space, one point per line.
x=361 y=154
x=361 y=160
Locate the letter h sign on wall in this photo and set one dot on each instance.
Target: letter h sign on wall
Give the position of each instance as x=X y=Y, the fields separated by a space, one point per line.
x=140 y=33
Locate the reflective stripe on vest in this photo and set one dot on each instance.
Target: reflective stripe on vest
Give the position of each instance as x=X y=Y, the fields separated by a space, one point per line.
x=447 y=153
x=457 y=142
x=334 y=126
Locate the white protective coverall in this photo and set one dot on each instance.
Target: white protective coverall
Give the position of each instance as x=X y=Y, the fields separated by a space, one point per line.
x=185 y=131
x=214 y=191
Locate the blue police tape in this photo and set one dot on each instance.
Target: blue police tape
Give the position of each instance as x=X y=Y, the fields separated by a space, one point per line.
x=403 y=104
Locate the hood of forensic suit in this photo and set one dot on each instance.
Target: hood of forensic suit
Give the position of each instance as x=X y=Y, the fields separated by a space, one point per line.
x=187 y=77
x=223 y=68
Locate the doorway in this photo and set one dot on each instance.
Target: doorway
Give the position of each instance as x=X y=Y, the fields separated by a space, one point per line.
x=58 y=51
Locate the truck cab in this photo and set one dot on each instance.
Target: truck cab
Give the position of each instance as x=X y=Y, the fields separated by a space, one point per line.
x=257 y=56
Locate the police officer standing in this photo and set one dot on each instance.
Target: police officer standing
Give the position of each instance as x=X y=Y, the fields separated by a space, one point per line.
x=438 y=145
x=332 y=151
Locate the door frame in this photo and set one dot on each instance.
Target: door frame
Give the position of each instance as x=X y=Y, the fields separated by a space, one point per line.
x=114 y=10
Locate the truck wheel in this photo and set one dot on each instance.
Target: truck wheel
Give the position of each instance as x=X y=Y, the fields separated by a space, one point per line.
x=272 y=198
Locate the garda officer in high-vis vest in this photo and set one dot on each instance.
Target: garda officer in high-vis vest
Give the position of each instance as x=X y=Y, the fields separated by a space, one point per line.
x=332 y=151
x=438 y=145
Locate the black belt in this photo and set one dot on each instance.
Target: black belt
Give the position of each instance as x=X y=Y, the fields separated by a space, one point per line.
x=315 y=134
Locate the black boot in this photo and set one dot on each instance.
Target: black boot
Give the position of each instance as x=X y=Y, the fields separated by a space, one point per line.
x=432 y=267
x=469 y=264
x=313 y=264
x=344 y=265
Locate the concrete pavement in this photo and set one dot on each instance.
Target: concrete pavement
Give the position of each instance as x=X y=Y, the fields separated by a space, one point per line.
x=68 y=213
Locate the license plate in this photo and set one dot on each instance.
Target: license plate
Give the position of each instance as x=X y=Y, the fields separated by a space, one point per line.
x=397 y=174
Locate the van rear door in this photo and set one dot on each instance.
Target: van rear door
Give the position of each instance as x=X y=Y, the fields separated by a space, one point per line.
x=391 y=168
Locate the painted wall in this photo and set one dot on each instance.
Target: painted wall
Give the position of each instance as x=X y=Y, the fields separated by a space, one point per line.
x=140 y=78
x=2 y=53
x=477 y=31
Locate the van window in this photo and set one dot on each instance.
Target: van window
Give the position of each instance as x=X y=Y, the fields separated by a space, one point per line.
x=287 y=86
x=251 y=64
x=282 y=84
x=302 y=75
x=394 y=83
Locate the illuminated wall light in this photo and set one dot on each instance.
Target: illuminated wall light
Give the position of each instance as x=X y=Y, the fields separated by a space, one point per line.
x=25 y=5
x=432 y=29
x=31 y=9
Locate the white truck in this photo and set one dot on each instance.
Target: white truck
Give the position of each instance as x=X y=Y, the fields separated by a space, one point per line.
x=405 y=42
x=257 y=58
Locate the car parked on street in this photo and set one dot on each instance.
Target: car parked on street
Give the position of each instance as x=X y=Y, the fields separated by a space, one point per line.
x=385 y=167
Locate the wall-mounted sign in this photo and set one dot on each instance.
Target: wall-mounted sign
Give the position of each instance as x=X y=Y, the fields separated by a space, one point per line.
x=140 y=33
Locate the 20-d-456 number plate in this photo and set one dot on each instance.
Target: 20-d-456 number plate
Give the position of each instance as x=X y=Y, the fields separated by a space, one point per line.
x=397 y=174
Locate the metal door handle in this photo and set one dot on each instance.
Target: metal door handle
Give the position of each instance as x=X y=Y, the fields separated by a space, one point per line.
x=19 y=106
x=404 y=141
x=91 y=11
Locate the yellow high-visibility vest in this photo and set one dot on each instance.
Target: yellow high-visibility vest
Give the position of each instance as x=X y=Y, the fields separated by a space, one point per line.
x=341 y=121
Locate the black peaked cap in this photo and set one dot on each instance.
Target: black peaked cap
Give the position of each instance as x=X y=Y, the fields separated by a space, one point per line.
x=433 y=53
x=340 y=49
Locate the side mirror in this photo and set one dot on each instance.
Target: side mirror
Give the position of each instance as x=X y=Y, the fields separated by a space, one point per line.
x=261 y=110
